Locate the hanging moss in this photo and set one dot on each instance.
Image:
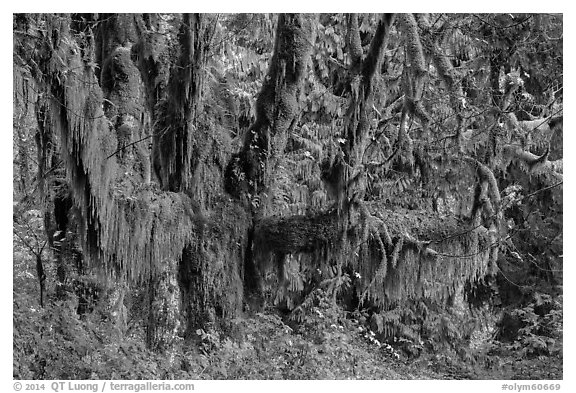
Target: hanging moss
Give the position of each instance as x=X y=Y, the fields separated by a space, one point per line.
x=176 y=115
x=211 y=263
x=139 y=232
x=131 y=229
x=398 y=254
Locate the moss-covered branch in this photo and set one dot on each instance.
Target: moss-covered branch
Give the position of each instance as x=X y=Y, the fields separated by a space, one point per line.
x=344 y=172
x=397 y=254
x=551 y=171
x=373 y=58
x=415 y=53
x=447 y=74
x=353 y=41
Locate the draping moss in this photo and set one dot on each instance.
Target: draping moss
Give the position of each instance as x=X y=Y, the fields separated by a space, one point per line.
x=397 y=254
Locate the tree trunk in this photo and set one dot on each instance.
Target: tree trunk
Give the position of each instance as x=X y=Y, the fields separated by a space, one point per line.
x=128 y=227
x=164 y=312
x=22 y=159
x=250 y=173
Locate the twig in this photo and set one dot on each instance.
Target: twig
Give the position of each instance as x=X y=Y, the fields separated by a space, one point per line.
x=503 y=27
x=130 y=144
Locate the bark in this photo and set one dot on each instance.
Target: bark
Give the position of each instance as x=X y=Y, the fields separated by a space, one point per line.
x=41 y=276
x=415 y=54
x=45 y=150
x=124 y=106
x=164 y=308
x=297 y=234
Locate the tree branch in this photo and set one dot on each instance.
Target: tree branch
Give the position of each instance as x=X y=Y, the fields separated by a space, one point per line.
x=353 y=41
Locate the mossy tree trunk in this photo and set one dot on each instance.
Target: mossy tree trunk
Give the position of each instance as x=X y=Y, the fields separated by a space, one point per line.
x=174 y=135
x=385 y=254
x=326 y=234
x=364 y=69
x=100 y=108
x=250 y=173
x=170 y=104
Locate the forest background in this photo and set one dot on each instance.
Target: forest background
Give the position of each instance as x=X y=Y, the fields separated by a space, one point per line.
x=208 y=339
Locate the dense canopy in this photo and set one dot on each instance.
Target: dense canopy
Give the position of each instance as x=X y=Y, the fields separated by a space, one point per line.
x=189 y=170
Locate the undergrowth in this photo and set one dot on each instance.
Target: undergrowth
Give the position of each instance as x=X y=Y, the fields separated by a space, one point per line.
x=327 y=343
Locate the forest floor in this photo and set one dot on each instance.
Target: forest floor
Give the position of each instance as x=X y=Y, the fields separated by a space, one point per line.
x=272 y=350
x=54 y=342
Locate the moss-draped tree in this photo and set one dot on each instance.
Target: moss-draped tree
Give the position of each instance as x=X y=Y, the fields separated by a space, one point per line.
x=163 y=196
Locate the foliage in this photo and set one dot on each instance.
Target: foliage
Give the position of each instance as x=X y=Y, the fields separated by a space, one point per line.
x=538 y=327
x=345 y=169
x=54 y=343
x=326 y=345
